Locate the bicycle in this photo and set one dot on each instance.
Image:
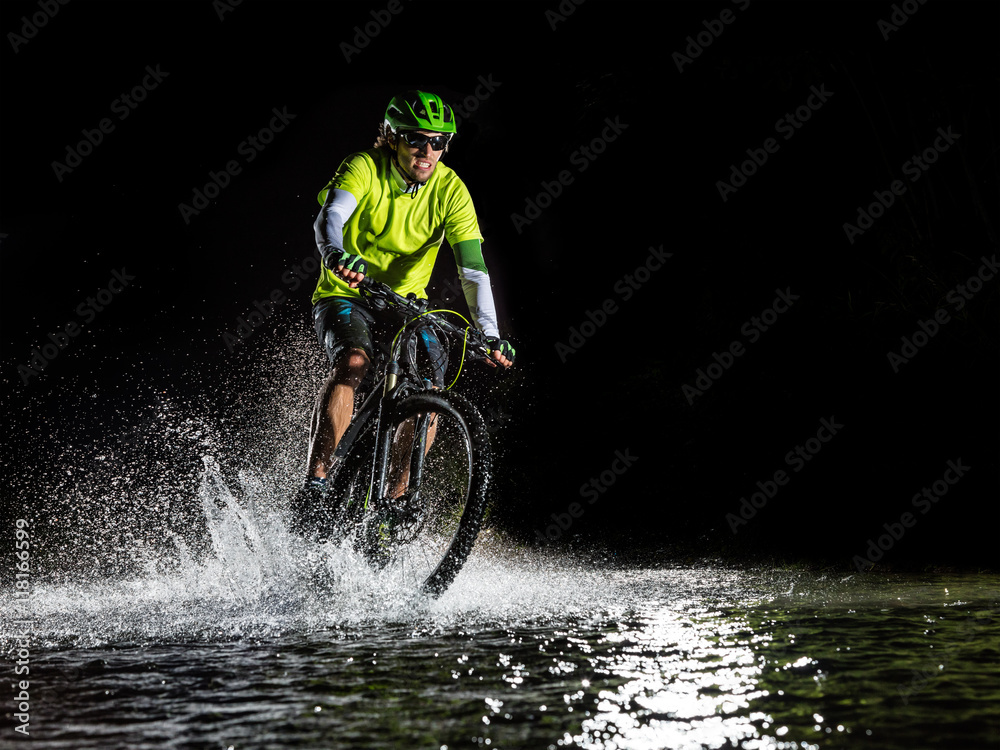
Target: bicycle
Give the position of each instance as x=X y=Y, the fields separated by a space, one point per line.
x=426 y=533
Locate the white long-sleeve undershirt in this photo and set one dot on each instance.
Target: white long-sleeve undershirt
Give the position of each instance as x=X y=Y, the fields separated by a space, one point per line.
x=479 y=297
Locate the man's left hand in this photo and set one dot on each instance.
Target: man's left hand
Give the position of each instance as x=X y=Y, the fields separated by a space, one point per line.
x=503 y=352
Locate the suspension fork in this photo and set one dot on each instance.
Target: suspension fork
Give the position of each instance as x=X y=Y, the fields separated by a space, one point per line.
x=383 y=449
x=418 y=450
x=386 y=436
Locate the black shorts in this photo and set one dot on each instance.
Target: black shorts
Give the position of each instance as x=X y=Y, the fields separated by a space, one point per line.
x=343 y=323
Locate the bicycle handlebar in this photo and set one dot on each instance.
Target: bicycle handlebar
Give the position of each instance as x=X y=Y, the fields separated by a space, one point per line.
x=416 y=306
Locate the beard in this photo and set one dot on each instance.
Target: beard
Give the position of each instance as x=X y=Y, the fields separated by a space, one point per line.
x=408 y=168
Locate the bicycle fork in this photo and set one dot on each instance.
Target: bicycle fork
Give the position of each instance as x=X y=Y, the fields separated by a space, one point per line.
x=386 y=436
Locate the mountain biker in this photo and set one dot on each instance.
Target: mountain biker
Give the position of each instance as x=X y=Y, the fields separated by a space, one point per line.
x=385 y=214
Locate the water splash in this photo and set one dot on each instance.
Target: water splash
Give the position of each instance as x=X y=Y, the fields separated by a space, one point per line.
x=164 y=520
x=254 y=579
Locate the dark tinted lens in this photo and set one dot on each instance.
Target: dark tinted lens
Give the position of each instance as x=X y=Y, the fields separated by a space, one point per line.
x=438 y=142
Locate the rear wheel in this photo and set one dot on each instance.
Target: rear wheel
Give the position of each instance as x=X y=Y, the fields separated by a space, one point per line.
x=424 y=536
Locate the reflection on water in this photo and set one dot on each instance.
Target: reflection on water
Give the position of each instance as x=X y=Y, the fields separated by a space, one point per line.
x=684 y=681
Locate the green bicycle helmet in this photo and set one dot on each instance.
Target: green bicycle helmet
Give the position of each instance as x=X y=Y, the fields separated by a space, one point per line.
x=420 y=110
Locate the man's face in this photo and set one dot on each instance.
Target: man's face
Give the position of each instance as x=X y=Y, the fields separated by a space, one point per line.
x=418 y=162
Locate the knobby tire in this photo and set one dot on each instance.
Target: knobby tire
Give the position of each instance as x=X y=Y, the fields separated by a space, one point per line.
x=351 y=480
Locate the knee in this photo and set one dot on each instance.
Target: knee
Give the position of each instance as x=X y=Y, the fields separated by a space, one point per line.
x=350 y=368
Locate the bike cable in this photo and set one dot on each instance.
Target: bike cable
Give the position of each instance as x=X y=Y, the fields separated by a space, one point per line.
x=465 y=338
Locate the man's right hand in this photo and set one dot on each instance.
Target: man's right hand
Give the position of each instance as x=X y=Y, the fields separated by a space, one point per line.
x=351 y=268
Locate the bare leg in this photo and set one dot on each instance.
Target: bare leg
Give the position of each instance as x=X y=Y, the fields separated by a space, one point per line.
x=334 y=409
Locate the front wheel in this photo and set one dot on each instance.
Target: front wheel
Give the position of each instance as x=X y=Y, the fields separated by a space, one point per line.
x=423 y=530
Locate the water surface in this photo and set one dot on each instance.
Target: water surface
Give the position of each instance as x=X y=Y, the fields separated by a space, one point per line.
x=268 y=643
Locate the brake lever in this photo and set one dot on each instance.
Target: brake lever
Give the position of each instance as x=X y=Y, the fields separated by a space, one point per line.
x=482 y=348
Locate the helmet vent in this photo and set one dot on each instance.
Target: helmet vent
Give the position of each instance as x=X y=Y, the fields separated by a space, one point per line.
x=419 y=109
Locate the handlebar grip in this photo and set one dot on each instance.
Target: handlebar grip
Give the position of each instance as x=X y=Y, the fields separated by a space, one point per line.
x=367 y=283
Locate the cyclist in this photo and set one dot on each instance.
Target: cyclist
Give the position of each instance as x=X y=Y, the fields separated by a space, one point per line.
x=385 y=214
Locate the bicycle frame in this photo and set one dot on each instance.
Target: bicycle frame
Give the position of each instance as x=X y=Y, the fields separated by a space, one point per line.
x=372 y=408
x=391 y=387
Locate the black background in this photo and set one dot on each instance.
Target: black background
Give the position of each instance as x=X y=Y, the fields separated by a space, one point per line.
x=557 y=77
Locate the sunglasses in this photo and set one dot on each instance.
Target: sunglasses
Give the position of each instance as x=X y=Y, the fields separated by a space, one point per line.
x=419 y=140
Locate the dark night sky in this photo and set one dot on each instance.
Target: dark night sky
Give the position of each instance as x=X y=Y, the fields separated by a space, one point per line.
x=552 y=92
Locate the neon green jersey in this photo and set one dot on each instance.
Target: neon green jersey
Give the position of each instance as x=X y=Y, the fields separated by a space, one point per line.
x=398 y=233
